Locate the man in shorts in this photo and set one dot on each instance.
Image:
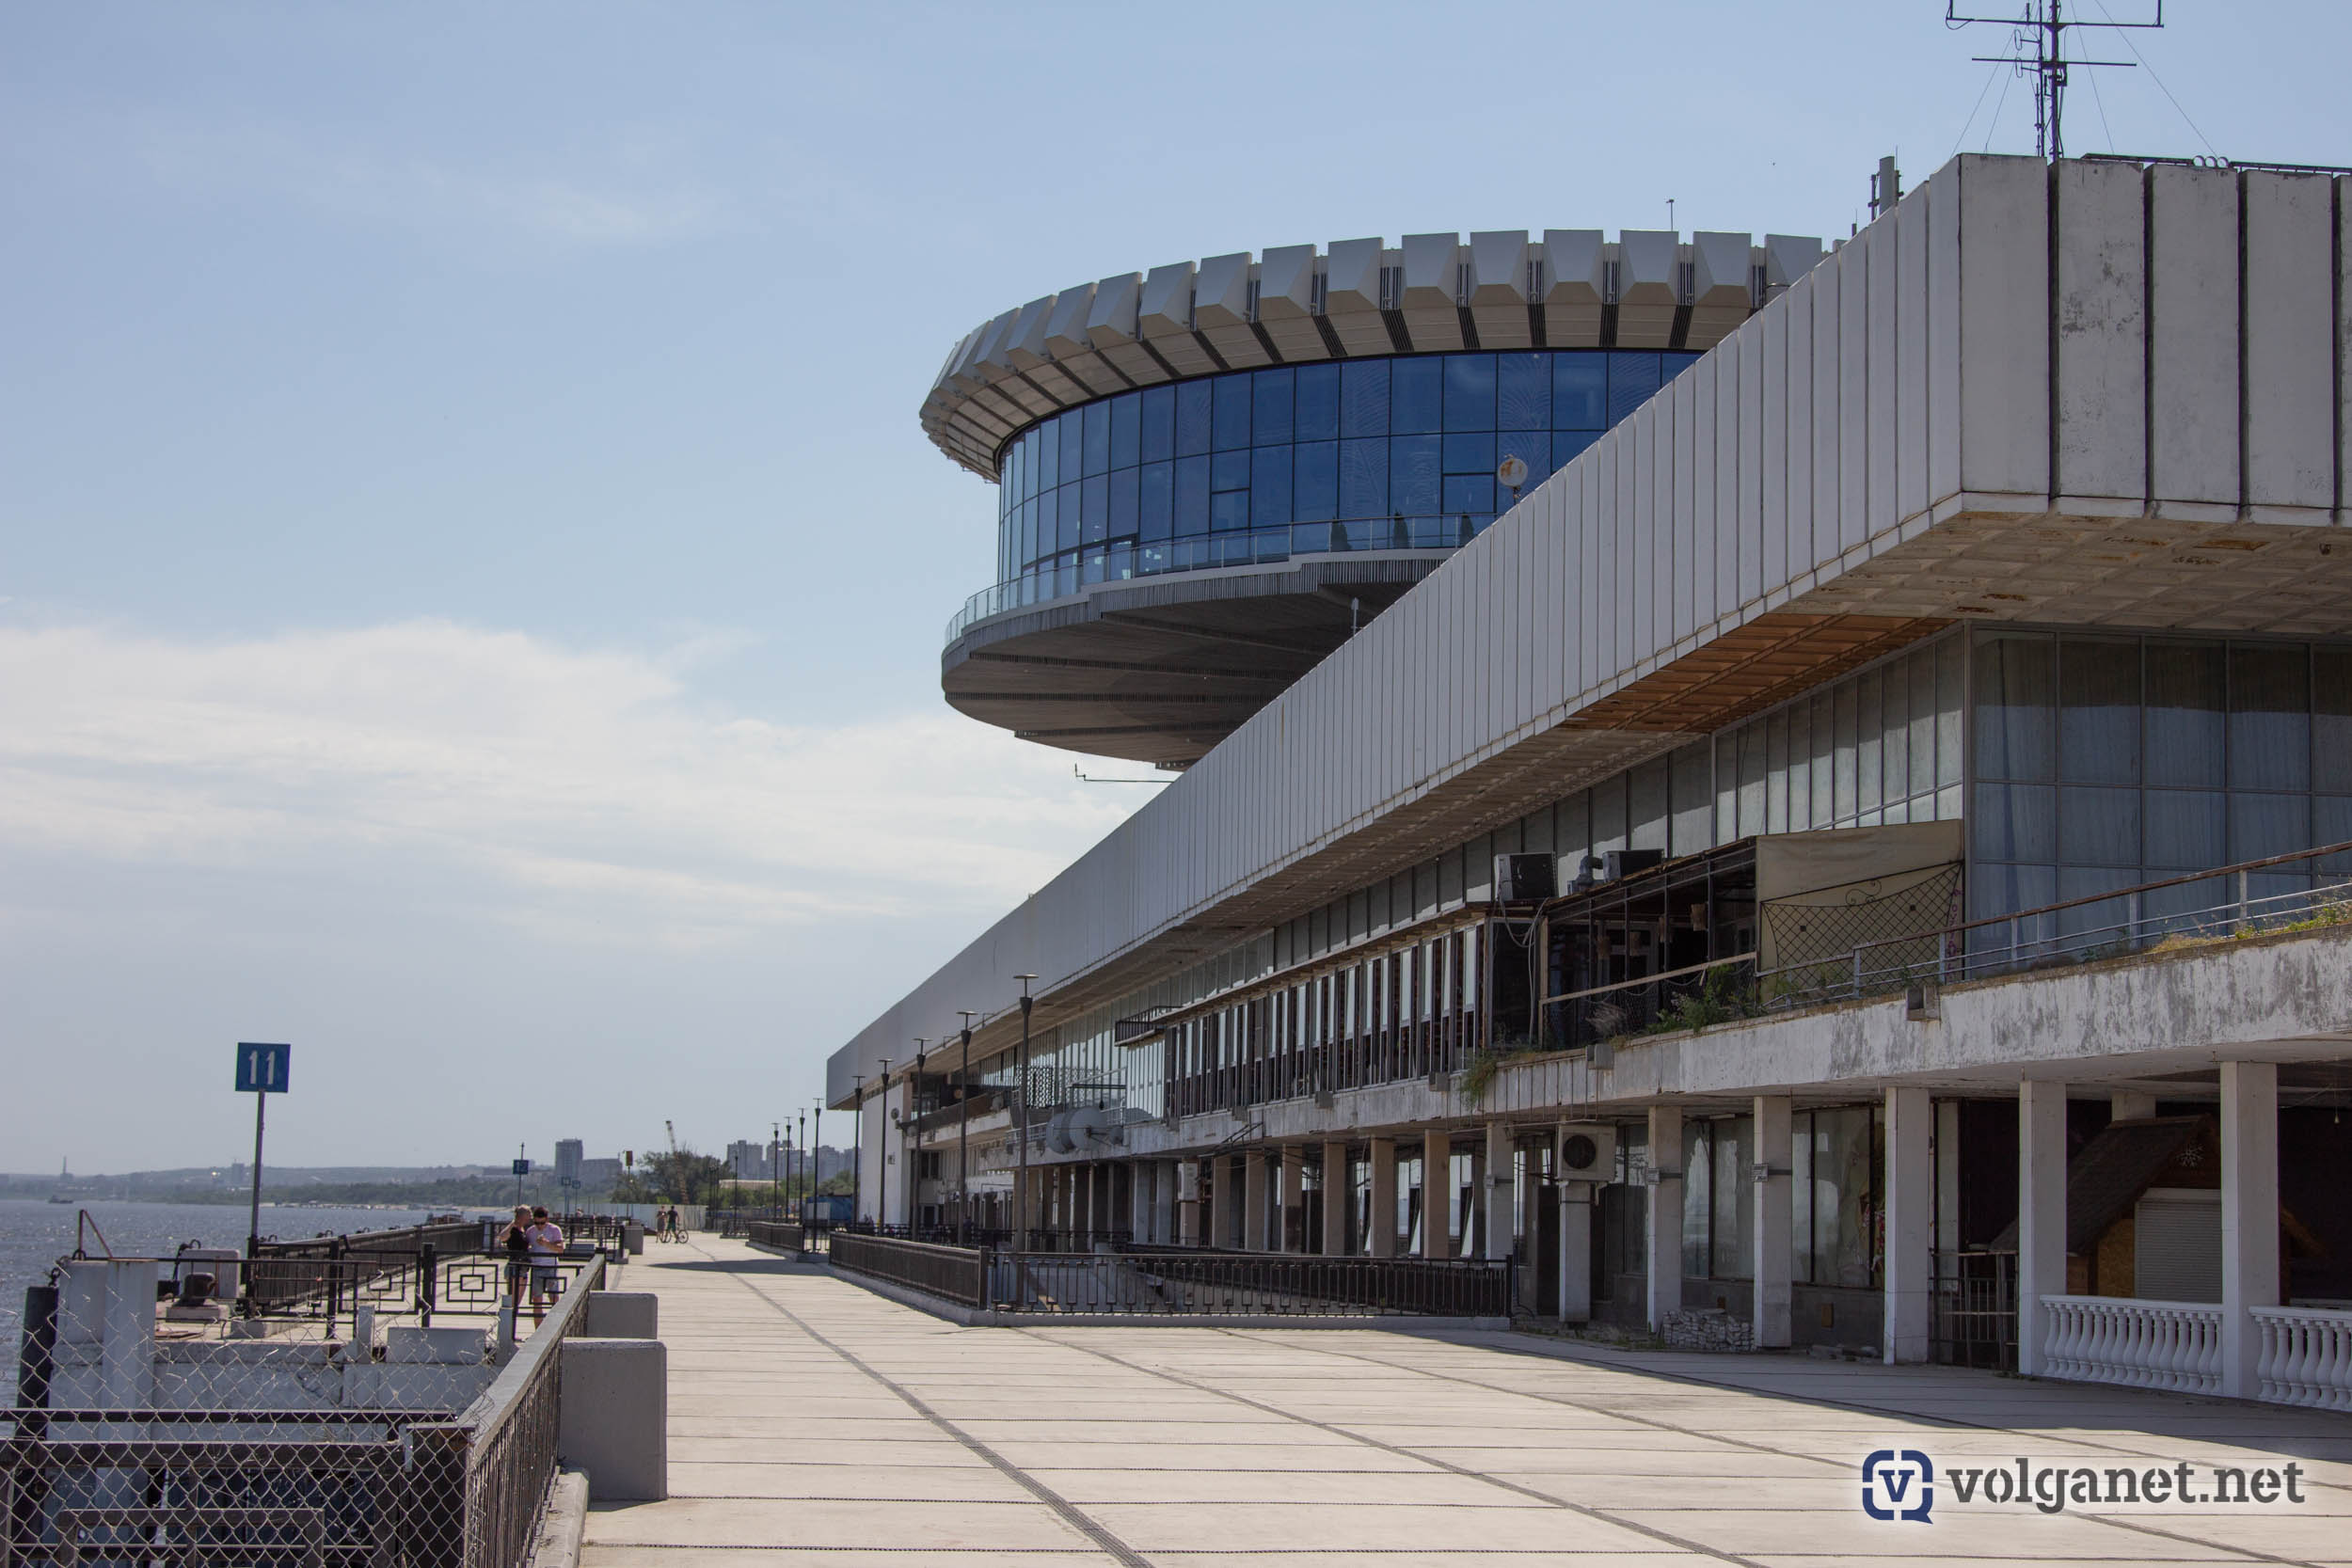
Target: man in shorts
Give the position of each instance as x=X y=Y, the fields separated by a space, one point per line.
x=546 y=1246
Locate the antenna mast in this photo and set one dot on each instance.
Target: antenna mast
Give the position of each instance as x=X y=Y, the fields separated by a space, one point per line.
x=2037 y=44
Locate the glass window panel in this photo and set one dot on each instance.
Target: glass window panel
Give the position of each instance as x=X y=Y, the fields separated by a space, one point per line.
x=1801 y=1210
x=1194 y=403
x=1824 y=760
x=1270 y=487
x=1098 y=437
x=1870 y=741
x=1048 y=527
x=1734 y=1141
x=1049 y=453
x=1126 y=510
x=1522 y=392
x=1698 y=1169
x=1844 y=1206
x=1567 y=446
x=1230 y=470
x=1316 y=409
x=1470 y=454
x=1951 y=676
x=1580 y=390
x=2016 y=822
x=2270 y=728
x=1753 y=771
x=1416 y=395
x=1158 y=486
x=2332 y=823
x=1632 y=382
x=2097 y=827
x=1895 y=728
x=1784 y=782
x=2268 y=825
x=1469 y=391
x=1364 y=398
x=1126 y=430
x=1316 y=478
x=1073 y=427
x=1472 y=495
x=1645 y=786
x=1413 y=474
x=1192 y=496
x=1693 y=786
x=2083 y=882
x=1069 y=532
x=2006 y=888
x=1609 y=824
x=2188 y=828
x=2331 y=718
x=1922 y=720
x=1364 y=478
x=2015 y=683
x=1233 y=411
x=1229 y=511
x=1028 y=530
x=2098 y=710
x=1159 y=424
x=1726 y=792
x=1271 y=395
x=1672 y=365
x=2185 y=687
x=1094 y=508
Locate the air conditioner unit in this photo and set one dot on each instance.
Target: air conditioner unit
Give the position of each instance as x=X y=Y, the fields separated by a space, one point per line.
x=1625 y=862
x=1588 y=1151
x=1525 y=878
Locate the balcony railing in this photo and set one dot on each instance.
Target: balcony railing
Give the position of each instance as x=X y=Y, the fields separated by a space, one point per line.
x=1263 y=546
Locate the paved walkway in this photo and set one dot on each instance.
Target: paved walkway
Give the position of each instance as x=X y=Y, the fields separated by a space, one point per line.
x=814 y=1422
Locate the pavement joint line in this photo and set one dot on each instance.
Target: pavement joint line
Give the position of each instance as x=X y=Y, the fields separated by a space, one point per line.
x=1064 y=1508
x=2125 y=1522
x=1546 y=1498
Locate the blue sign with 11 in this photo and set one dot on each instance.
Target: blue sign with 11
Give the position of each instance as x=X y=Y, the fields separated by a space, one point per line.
x=261 y=1068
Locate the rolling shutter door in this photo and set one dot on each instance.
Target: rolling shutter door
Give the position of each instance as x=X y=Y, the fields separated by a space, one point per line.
x=2178 y=1247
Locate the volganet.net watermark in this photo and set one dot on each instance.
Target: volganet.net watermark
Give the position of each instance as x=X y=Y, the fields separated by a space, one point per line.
x=1906 y=1485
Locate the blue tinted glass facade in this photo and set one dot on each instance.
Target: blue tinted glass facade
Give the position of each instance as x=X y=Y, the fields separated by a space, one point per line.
x=1300 y=459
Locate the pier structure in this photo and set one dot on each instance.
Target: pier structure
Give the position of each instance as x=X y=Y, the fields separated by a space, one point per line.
x=1852 y=856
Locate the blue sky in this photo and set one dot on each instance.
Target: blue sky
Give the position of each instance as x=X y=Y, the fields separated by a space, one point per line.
x=470 y=578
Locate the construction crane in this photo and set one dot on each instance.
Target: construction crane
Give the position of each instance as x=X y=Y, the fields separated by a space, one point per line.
x=670 y=1128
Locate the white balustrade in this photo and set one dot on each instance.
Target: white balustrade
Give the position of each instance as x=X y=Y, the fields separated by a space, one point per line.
x=2141 y=1345
x=2306 y=1356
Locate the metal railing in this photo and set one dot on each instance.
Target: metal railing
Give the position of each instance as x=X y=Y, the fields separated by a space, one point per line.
x=954 y=1273
x=2112 y=924
x=1262 y=547
x=167 y=1468
x=784 y=1234
x=322 y=1291
x=1976 y=1310
x=1187 y=1282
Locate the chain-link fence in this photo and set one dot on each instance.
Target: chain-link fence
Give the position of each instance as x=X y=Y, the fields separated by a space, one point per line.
x=393 y=1410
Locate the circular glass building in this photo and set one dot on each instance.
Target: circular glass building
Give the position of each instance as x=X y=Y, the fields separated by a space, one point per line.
x=1210 y=476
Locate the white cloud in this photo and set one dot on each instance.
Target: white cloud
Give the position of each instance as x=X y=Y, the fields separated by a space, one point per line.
x=586 y=795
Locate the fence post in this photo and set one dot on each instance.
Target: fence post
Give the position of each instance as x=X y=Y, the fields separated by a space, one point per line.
x=428 y=1282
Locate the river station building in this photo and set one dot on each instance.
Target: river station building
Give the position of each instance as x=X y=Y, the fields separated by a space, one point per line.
x=1805 y=791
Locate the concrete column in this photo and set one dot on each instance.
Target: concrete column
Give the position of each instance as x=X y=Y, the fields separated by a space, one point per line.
x=1773 y=1240
x=1664 y=1259
x=1436 y=1193
x=1253 y=1202
x=1336 y=1193
x=2130 y=1105
x=1294 y=1236
x=1498 y=1191
x=1910 y=1216
x=2250 y=1218
x=1232 y=1210
x=2041 y=1214
x=1576 y=1252
x=1382 y=1241
x=1138 y=1200
x=1187 y=1202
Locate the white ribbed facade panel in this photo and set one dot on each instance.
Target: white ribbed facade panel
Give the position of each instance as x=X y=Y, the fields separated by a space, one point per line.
x=1878 y=440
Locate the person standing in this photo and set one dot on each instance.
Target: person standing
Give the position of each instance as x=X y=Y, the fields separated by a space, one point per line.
x=546 y=1247
x=515 y=1239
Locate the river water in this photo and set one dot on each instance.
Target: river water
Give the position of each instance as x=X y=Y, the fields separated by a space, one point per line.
x=33 y=1235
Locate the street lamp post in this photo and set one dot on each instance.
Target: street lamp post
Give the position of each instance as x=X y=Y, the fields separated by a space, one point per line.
x=818 y=1128
x=801 y=1213
x=881 y=1172
x=963 y=1135
x=1021 y=1127
x=911 y=1138
x=857 y=1146
x=776 y=1156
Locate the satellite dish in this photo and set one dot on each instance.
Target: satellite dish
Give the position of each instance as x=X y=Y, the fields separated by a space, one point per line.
x=1511 y=473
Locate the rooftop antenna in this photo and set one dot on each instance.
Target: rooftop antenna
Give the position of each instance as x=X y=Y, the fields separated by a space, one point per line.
x=2037 y=41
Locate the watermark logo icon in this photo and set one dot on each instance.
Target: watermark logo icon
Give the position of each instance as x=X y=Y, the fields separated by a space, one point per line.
x=1899 y=1483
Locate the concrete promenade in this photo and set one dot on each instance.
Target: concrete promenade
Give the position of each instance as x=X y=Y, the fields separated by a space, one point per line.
x=814 y=1422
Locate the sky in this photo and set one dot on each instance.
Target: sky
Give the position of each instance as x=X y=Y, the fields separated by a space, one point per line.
x=471 y=577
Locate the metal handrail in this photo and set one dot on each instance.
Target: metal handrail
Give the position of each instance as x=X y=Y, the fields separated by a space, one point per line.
x=1955 y=961
x=1261 y=546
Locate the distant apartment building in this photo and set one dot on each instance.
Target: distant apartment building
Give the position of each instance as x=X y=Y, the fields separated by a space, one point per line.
x=1748 y=780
